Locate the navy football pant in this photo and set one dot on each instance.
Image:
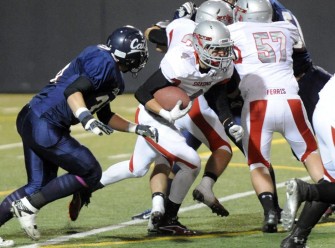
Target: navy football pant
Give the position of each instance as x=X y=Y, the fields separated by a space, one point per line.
x=46 y=148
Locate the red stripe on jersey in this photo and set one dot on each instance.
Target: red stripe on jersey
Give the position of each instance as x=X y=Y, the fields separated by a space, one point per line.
x=175 y=81
x=299 y=119
x=197 y=59
x=257 y=115
x=170 y=37
x=326 y=172
x=215 y=140
x=333 y=134
x=136 y=115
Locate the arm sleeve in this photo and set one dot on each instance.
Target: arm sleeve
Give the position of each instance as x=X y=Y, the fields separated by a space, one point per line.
x=81 y=84
x=232 y=85
x=158 y=36
x=217 y=100
x=146 y=91
x=218 y=97
x=105 y=114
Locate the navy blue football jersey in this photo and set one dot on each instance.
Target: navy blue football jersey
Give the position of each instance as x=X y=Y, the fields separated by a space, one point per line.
x=98 y=66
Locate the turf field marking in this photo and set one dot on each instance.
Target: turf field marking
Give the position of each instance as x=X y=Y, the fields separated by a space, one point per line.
x=65 y=238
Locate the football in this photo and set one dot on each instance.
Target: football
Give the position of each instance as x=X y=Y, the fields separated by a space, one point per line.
x=168 y=96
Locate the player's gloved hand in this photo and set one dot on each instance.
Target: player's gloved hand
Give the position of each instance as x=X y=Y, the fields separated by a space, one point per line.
x=176 y=112
x=236 y=131
x=187 y=10
x=91 y=124
x=97 y=127
x=147 y=131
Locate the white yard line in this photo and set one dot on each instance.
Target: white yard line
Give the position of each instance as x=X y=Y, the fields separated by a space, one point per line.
x=65 y=238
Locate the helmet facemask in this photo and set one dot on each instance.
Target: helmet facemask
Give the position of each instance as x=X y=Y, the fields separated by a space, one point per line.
x=214 y=51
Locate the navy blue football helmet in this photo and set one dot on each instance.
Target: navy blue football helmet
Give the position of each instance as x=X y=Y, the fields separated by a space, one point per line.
x=128 y=45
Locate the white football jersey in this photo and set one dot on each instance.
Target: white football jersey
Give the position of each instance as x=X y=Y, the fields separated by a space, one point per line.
x=264 y=58
x=327 y=92
x=180 y=64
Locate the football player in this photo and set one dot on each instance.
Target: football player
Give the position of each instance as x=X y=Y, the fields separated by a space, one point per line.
x=317 y=197
x=82 y=88
x=215 y=61
x=271 y=100
x=183 y=28
x=311 y=79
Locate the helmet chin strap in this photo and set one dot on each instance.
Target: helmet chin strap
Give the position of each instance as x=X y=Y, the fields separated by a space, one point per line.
x=134 y=74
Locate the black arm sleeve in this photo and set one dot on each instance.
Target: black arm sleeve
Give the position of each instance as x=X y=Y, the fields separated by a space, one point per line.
x=217 y=100
x=105 y=114
x=158 y=36
x=81 y=84
x=234 y=82
x=220 y=96
x=155 y=82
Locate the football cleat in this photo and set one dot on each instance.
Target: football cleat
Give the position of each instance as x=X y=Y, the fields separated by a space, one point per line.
x=151 y=228
x=171 y=226
x=79 y=199
x=207 y=197
x=292 y=204
x=278 y=211
x=270 y=222
x=26 y=214
x=142 y=216
x=297 y=239
x=156 y=217
x=6 y=243
x=328 y=212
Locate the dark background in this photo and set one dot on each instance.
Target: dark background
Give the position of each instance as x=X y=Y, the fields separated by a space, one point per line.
x=39 y=37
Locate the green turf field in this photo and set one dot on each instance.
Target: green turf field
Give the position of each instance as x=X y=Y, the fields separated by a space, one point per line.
x=107 y=220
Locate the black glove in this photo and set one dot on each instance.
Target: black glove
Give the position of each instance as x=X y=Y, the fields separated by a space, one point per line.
x=92 y=124
x=147 y=131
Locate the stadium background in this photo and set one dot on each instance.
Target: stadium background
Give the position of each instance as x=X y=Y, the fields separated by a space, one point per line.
x=38 y=38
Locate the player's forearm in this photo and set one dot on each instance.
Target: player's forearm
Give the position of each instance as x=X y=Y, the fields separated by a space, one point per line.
x=153 y=106
x=76 y=101
x=121 y=124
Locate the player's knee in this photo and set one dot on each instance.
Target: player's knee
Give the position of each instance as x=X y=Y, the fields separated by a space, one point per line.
x=32 y=187
x=256 y=166
x=93 y=176
x=140 y=173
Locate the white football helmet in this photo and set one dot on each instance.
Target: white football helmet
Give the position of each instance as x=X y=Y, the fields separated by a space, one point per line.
x=212 y=10
x=253 y=11
x=211 y=41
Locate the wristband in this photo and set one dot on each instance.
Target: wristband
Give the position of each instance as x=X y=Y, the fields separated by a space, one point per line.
x=83 y=115
x=131 y=127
